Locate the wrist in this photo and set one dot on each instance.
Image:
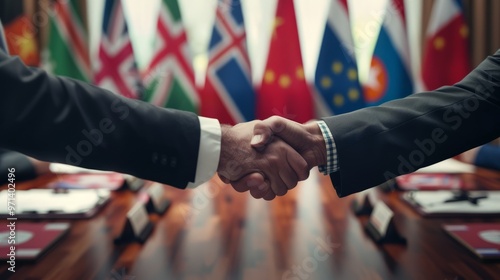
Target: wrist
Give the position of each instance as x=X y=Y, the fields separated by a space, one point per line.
x=232 y=155
x=224 y=141
x=318 y=144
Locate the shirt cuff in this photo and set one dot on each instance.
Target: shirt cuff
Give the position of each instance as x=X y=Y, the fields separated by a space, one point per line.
x=332 y=163
x=208 y=152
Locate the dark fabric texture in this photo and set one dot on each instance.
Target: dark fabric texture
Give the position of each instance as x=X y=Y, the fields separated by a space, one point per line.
x=58 y=119
x=376 y=144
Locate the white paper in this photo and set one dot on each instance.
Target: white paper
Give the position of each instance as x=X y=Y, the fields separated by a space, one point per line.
x=433 y=202
x=43 y=201
x=448 y=166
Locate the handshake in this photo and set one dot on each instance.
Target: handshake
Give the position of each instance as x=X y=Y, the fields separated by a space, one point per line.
x=269 y=157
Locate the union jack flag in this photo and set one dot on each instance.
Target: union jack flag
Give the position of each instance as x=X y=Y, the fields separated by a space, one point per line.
x=116 y=69
x=228 y=94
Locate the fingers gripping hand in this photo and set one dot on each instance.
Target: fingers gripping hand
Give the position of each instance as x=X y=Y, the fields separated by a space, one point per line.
x=306 y=139
x=284 y=168
x=266 y=173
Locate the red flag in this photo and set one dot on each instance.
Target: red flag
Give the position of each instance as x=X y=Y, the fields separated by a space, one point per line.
x=284 y=90
x=21 y=35
x=446 y=54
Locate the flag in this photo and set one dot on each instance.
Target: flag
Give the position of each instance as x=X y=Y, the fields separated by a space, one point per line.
x=336 y=77
x=228 y=94
x=284 y=90
x=169 y=79
x=446 y=52
x=67 y=51
x=3 y=42
x=116 y=69
x=390 y=73
x=20 y=32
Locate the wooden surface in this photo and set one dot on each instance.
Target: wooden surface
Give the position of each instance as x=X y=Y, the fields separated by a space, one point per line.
x=215 y=233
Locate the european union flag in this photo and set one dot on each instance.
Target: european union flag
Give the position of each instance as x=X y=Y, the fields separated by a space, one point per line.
x=336 y=76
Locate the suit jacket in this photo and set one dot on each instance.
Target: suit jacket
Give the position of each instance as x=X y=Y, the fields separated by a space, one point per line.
x=24 y=168
x=379 y=143
x=63 y=120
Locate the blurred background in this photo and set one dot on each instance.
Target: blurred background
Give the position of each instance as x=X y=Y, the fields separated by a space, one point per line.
x=238 y=61
x=228 y=72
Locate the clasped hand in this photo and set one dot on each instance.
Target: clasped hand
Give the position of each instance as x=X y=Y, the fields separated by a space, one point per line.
x=268 y=158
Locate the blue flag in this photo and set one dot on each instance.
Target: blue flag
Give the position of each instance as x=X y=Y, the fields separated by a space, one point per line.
x=390 y=72
x=228 y=94
x=336 y=79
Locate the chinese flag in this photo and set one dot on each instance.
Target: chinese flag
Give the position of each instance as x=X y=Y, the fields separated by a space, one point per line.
x=20 y=32
x=284 y=91
x=446 y=53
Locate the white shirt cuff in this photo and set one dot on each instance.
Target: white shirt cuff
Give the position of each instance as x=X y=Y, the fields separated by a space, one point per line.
x=208 y=152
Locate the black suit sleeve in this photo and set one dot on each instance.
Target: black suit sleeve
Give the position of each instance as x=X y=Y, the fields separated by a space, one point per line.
x=62 y=120
x=379 y=143
x=23 y=166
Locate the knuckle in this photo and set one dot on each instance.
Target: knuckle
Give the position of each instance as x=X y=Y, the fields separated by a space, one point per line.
x=282 y=192
x=304 y=175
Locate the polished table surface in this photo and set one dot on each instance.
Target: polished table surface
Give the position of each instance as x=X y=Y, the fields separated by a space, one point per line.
x=213 y=232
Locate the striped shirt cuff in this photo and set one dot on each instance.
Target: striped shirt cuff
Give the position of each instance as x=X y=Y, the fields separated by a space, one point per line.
x=332 y=163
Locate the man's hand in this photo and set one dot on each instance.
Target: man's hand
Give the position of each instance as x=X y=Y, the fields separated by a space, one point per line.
x=306 y=139
x=245 y=168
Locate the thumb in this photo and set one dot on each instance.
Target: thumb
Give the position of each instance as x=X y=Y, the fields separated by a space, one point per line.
x=262 y=134
x=291 y=132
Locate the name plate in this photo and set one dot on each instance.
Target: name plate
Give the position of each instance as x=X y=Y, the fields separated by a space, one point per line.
x=133 y=183
x=381 y=226
x=362 y=203
x=137 y=227
x=157 y=203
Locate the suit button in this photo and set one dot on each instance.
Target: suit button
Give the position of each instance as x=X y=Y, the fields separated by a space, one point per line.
x=154 y=157
x=164 y=160
x=173 y=162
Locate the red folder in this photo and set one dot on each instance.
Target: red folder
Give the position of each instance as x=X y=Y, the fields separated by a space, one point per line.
x=31 y=239
x=483 y=239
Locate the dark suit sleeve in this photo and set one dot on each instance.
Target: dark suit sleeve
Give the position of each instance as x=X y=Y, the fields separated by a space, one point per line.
x=62 y=120
x=379 y=143
x=23 y=166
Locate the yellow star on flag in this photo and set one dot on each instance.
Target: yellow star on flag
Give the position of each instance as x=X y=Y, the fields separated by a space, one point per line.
x=26 y=44
x=353 y=94
x=269 y=76
x=326 y=82
x=285 y=81
x=464 y=31
x=299 y=73
x=338 y=100
x=337 y=67
x=277 y=23
x=439 y=43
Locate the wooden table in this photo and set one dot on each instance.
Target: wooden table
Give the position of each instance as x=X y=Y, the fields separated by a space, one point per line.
x=215 y=233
